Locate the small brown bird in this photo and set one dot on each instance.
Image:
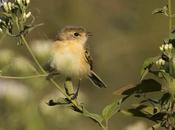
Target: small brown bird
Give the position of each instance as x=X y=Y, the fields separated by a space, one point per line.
x=69 y=56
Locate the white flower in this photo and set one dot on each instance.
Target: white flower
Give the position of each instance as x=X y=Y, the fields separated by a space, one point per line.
x=160 y=62
x=170 y=47
x=24 y=15
x=5 y=6
x=28 y=14
x=161 y=48
x=27 y=2
x=9 y=5
x=157 y=63
x=166 y=47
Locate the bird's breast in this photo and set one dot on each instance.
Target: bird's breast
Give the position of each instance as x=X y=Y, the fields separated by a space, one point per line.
x=70 y=60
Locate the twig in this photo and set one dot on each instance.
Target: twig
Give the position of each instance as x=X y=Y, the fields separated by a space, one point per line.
x=22 y=77
x=44 y=72
x=32 y=54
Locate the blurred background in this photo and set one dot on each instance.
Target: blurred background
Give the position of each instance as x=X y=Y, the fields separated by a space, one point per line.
x=124 y=34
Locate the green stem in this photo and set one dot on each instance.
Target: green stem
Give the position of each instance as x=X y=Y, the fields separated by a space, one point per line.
x=22 y=77
x=33 y=56
x=44 y=72
x=170 y=17
x=68 y=97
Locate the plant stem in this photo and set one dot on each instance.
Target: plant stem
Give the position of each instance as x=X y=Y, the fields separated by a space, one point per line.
x=170 y=17
x=44 y=72
x=33 y=56
x=22 y=77
x=68 y=97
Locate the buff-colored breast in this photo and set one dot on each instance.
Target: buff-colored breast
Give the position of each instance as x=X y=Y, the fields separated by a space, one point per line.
x=68 y=58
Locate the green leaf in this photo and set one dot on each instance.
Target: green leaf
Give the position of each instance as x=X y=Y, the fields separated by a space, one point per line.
x=139 y=111
x=147 y=65
x=30 y=28
x=149 y=85
x=162 y=10
x=146 y=111
x=97 y=118
x=111 y=109
x=165 y=98
x=146 y=86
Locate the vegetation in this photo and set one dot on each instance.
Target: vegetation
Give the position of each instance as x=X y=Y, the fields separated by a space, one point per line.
x=17 y=22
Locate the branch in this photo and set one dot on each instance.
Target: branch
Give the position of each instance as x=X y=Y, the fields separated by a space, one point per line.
x=44 y=72
x=32 y=54
x=22 y=77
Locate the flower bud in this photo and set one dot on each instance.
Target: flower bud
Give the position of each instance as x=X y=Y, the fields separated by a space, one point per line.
x=161 y=48
x=161 y=62
x=6 y=7
x=166 y=47
x=157 y=63
x=27 y=2
x=28 y=14
x=170 y=47
x=9 y=5
x=24 y=15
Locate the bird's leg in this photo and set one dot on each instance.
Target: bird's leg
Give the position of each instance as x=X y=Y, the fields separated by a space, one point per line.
x=69 y=87
x=76 y=93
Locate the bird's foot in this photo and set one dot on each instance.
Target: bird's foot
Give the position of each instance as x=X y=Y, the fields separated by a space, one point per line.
x=75 y=95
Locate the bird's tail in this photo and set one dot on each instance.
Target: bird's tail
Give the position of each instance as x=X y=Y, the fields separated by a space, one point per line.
x=95 y=79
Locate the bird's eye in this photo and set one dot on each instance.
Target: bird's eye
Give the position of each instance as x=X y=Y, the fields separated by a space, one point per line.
x=76 y=34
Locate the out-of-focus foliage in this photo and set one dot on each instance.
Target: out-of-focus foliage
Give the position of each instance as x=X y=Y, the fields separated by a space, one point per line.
x=124 y=32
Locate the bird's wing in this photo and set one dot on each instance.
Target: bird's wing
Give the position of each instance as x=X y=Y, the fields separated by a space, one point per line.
x=88 y=58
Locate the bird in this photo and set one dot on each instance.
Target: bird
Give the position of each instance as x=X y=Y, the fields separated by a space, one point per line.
x=70 y=57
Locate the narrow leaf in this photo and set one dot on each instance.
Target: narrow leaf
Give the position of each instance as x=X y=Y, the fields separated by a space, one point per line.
x=149 y=85
x=97 y=118
x=111 y=109
x=162 y=10
x=147 y=65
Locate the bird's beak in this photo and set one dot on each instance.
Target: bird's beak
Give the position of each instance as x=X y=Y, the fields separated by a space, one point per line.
x=89 y=34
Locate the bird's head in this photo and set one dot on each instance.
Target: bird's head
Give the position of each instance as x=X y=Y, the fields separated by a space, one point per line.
x=74 y=33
